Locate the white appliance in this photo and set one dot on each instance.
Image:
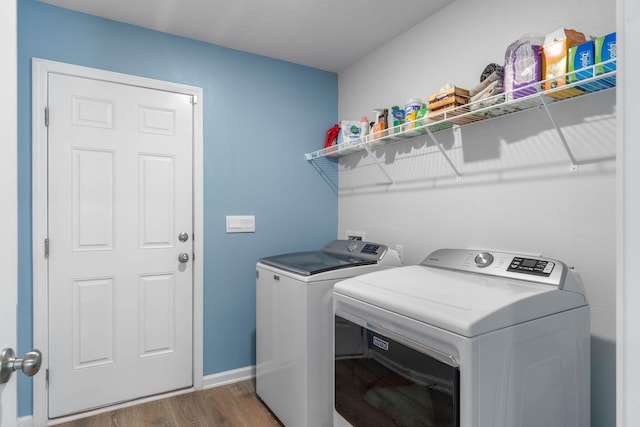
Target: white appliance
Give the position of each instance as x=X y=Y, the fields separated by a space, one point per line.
x=465 y=339
x=294 y=322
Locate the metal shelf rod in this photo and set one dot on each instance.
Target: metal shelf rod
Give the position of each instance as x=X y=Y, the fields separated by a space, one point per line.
x=574 y=163
x=384 y=171
x=441 y=148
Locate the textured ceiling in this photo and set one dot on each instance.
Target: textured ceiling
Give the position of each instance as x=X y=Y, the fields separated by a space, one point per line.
x=325 y=34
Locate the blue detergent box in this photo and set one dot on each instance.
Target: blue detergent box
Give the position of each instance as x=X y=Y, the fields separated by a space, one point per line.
x=605 y=49
x=580 y=57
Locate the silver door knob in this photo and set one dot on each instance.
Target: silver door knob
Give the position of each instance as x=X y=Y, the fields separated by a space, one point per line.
x=183 y=257
x=183 y=237
x=29 y=364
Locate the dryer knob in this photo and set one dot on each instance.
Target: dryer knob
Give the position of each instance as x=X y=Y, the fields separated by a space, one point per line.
x=484 y=259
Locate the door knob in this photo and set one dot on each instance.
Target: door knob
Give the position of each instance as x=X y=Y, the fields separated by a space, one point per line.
x=29 y=364
x=183 y=257
x=183 y=237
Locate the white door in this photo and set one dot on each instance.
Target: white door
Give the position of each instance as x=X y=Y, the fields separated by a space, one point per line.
x=8 y=196
x=120 y=194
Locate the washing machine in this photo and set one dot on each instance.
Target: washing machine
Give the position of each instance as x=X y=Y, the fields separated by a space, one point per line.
x=294 y=323
x=464 y=339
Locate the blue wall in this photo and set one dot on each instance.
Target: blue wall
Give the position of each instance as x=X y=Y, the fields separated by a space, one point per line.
x=260 y=116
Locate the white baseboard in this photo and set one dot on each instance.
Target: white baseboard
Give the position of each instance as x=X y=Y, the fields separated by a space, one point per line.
x=229 y=377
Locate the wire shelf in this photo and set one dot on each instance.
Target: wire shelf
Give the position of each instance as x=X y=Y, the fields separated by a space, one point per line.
x=595 y=78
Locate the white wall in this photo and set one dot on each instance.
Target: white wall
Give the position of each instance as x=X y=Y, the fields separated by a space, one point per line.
x=516 y=192
x=455 y=45
x=628 y=297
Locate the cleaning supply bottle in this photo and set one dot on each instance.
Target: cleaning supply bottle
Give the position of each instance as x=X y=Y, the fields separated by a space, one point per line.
x=379 y=126
x=410 y=111
x=398 y=118
x=364 y=128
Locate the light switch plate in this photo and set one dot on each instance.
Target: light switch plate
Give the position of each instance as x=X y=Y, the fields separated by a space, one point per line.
x=241 y=224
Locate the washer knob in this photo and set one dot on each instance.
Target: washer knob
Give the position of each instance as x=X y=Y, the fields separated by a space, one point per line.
x=484 y=259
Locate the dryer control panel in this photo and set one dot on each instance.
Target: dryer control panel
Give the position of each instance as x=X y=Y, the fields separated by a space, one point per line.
x=538 y=267
x=502 y=264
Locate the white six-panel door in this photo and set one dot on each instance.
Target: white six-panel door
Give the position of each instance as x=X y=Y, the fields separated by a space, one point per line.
x=120 y=193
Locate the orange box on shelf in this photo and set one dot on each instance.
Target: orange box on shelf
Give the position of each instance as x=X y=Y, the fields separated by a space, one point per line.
x=554 y=55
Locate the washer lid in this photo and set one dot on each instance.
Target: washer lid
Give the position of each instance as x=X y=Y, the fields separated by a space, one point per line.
x=313 y=262
x=467 y=304
x=336 y=255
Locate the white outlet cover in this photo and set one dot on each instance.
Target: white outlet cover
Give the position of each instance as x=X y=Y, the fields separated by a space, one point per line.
x=355 y=235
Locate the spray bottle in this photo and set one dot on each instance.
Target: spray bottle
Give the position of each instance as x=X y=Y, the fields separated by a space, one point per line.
x=380 y=125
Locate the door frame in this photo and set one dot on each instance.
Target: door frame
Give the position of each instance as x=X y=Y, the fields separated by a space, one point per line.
x=9 y=197
x=40 y=70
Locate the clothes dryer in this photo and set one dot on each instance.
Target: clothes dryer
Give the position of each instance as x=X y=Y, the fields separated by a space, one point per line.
x=294 y=322
x=465 y=339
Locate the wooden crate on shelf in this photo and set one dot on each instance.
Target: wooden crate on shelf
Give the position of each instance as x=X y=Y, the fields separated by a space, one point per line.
x=447 y=103
x=447 y=98
x=450 y=101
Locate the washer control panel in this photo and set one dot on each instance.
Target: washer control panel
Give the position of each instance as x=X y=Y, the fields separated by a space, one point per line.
x=369 y=251
x=371 y=248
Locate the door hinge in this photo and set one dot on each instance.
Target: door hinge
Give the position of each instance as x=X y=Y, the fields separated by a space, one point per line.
x=46 y=248
x=194 y=99
x=46 y=378
x=46 y=116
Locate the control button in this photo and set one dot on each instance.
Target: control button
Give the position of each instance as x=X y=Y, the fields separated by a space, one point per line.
x=483 y=259
x=548 y=268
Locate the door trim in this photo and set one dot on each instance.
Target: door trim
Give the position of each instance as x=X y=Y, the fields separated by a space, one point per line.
x=40 y=69
x=9 y=197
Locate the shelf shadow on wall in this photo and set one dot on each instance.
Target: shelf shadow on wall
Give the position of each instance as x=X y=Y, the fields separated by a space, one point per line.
x=443 y=181
x=510 y=147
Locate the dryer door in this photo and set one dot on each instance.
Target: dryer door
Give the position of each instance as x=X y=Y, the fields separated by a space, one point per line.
x=383 y=379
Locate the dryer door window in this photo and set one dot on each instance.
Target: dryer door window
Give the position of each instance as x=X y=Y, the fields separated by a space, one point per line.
x=380 y=381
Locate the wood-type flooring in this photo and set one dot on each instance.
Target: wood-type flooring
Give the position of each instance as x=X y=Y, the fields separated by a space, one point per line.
x=232 y=405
